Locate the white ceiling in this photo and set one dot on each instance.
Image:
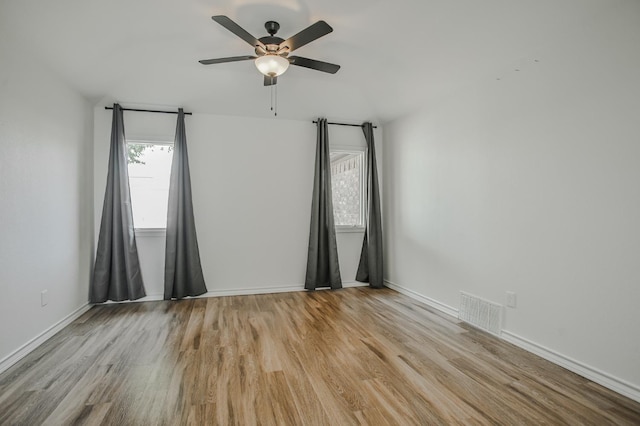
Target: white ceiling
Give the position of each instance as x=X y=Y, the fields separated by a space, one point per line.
x=395 y=56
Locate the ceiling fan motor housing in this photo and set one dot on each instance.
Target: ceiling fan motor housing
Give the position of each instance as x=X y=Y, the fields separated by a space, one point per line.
x=271 y=42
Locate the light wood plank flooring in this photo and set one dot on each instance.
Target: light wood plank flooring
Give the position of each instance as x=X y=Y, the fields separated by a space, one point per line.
x=353 y=356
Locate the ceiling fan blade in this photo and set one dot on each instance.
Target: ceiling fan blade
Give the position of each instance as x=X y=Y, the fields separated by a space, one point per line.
x=223 y=60
x=307 y=35
x=226 y=22
x=270 y=81
x=313 y=64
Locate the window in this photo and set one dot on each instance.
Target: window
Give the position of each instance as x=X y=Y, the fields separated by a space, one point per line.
x=149 y=171
x=347 y=187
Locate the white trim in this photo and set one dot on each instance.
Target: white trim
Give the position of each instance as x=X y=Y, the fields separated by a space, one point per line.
x=243 y=292
x=151 y=140
x=151 y=232
x=248 y=291
x=347 y=229
x=349 y=284
x=595 y=375
x=424 y=299
x=32 y=344
x=616 y=384
x=349 y=148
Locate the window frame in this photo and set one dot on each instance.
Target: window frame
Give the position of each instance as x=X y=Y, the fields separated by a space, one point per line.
x=165 y=141
x=361 y=150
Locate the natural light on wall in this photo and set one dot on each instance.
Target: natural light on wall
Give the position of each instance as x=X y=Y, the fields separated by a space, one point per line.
x=149 y=171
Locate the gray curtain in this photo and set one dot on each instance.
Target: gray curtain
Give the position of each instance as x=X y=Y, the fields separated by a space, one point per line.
x=182 y=269
x=116 y=273
x=370 y=267
x=323 y=269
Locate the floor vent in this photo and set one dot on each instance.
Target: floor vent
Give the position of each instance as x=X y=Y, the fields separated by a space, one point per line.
x=480 y=313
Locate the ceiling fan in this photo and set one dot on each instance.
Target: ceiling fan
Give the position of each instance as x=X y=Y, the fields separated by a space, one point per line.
x=272 y=52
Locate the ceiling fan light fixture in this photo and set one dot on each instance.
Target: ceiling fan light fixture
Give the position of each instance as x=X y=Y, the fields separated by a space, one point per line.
x=272 y=65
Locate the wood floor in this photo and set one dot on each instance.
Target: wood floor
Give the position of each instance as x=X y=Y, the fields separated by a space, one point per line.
x=353 y=356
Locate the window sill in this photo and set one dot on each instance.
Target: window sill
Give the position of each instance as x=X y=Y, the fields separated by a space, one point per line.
x=346 y=229
x=151 y=232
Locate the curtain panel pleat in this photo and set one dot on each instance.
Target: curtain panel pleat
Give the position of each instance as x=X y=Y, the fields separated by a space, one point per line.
x=182 y=269
x=116 y=273
x=323 y=269
x=371 y=260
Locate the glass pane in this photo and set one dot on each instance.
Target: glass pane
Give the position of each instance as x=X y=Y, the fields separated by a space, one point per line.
x=346 y=187
x=149 y=171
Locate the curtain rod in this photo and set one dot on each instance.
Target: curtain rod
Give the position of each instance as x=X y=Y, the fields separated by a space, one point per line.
x=150 y=110
x=344 y=124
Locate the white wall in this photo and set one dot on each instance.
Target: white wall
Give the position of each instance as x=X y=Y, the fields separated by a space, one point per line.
x=252 y=181
x=45 y=208
x=531 y=184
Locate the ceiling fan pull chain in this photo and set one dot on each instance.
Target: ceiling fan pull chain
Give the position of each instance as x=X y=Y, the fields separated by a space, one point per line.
x=271 y=92
x=276 y=103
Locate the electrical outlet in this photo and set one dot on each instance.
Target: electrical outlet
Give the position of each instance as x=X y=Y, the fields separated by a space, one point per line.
x=44 y=297
x=511 y=299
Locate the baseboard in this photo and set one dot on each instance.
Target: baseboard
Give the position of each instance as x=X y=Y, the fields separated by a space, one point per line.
x=32 y=344
x=348 y=284
x=267 y=290
x=244 y=291
x=424 y=299
x=608 y=381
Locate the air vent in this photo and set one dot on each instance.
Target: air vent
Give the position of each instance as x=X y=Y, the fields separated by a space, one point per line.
x=480 y=313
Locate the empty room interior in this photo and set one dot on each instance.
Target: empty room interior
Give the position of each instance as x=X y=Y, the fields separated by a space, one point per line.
x=320 y=212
